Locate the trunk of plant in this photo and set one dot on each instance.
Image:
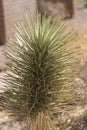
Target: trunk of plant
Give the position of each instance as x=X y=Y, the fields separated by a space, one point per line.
x=42 y=121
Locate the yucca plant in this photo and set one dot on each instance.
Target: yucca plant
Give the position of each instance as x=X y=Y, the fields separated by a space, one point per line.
x=39 y=73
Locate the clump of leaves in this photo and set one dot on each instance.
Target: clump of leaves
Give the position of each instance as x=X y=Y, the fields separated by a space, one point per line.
x=40 y=70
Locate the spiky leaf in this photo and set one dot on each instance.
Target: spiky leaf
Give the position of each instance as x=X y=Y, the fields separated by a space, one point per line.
x=40 y=67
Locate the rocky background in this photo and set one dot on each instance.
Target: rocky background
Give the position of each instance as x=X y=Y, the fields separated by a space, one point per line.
x=59 y=8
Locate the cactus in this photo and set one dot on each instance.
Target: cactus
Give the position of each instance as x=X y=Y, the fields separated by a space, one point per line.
x=39 y=73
